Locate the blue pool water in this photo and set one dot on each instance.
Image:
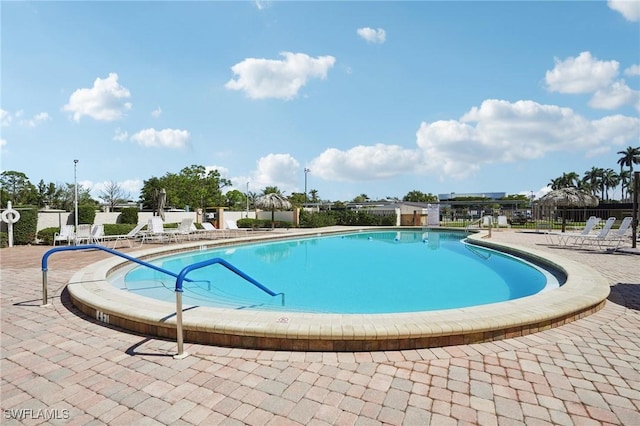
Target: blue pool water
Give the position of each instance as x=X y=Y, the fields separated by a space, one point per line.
x=363 y=272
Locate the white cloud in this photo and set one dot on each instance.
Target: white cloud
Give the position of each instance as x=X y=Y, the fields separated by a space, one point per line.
x=120 y=135
x=372 y=35
x=633 y=70
x=495 y=132
x=378 y=161
x=3 y=143
x=614 y=96
x=584 y=74
x=156 y=112
x=630 y=9
x=280 y=79
x=5 y=118
x=36 y=120
x=105 y=101
x=130 y=187
x=165 y=138
x=279 y=170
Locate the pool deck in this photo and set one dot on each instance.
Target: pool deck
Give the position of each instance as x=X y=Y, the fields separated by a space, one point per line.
x=56 y=362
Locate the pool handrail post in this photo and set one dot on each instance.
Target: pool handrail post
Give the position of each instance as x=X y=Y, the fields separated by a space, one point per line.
x=44 y=288
x=45 y=258
x=179 y=290
x=179 y=336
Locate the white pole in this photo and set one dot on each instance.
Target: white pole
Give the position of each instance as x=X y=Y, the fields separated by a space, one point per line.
x=75 y=201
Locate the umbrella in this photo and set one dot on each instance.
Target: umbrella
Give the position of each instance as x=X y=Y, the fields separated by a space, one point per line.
x=161 y=202
x=273 y=202
x=568 y=197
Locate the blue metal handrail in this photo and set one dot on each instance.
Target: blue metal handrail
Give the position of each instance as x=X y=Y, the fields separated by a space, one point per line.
x=45 y=259
x=179 y=291
x=182 y=274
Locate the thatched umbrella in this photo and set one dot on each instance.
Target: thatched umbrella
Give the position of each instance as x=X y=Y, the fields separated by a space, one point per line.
x=568 y=197
x=272 y=202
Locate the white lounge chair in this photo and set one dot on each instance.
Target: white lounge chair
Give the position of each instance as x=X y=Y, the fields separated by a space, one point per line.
x=621 y=234
x=97 y=234
x=564 y=237
x=598 y=238
x=208 y=231
x=232 y=226
x=183 y=230
x=156 y=231
x=135 y=233
x=487 y=221
x=83 y=234
x=503 y=222
x=66 y=234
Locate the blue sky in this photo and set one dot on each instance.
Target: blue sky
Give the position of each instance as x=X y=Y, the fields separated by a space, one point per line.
x=379 y=98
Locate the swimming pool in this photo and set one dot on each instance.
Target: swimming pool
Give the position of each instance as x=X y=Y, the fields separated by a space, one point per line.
x=582 y=292
x=357 y=273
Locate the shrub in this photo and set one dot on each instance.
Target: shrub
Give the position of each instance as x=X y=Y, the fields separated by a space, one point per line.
x=4 y=240
x=46 y=235
x=24 y=230
x=129 y=215
x=117 y=228
x=86 y=214
x=316 y=220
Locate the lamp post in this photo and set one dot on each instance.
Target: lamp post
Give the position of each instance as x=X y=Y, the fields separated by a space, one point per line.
x=306 y=171
x=75 y=201
x=247 y=214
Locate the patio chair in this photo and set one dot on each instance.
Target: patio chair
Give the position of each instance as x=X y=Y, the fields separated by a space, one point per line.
x=156 y=231
x=564 y=237
x=622 y=233
x=134 y=234
x=97 y=234
x=232 y=226
x=207 y=231
x=183 y=230
x=83 y=234
x=503 y=222
x=66 y=234
x=598 y=238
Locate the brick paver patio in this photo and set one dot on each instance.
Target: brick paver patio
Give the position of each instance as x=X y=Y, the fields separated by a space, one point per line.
x=60 y=367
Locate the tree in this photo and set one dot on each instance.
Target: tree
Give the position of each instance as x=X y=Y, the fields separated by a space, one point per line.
x=236 y=200
x=113 y=194
x=625 y=181
x=362 y=198
x=567 y=180
x=592 y=180
x=314 y=196
x=271 y=190
x=609 y=180
x=629 y=157
x=193 y=187
x=18 y=187
x=419 y=197
x=297 y=199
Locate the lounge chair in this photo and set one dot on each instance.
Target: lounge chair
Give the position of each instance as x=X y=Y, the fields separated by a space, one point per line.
x=232 y=226
x=621 y=234
x=83 y=234
x=156 y=231
x=598 y=238
x=487 y=221
x=503 y=222
x=97 y=234
x=564 y=237
x=66 y=234
x=208 y=231
x=135 y=233
x=183 y=230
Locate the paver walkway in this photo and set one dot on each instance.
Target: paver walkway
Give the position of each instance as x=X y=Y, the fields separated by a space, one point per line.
x=59 y=367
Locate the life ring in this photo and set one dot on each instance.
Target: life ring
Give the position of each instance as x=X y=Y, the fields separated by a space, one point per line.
x=10 y=216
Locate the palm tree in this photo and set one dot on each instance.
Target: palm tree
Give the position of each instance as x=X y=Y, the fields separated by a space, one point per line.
x=625 y=180
x=592 y=179
x=630 y=156
x=567 y=180
x=609 y=180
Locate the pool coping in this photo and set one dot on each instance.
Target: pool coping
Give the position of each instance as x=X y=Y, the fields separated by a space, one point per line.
x=584 y=292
